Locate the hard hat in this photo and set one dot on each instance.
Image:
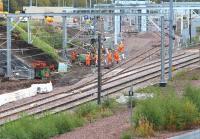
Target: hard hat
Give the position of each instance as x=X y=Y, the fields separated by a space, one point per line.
x=49 y=19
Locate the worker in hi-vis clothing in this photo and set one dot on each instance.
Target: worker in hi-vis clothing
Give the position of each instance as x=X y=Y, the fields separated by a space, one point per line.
x=116 y=56
x=87 y=59
x=73 y=56
x=121 y=49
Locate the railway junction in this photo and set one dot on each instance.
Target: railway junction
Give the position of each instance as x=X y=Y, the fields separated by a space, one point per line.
x=54 y=59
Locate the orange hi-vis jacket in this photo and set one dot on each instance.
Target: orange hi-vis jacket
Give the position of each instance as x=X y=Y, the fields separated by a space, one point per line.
x=116 y=56
x=109 y=57
x=87 y=59
x=73 y=55
x=121 y=48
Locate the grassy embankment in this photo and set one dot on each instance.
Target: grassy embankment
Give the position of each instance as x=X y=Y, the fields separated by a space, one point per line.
x=37 y=42
x=30 y=127
x=172 y=108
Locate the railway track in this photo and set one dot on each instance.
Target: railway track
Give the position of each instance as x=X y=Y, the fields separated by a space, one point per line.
x=75 y=87
x=63 y=101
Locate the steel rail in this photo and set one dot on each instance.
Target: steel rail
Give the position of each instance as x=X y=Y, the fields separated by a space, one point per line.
x=104 y=89
x=70 y=88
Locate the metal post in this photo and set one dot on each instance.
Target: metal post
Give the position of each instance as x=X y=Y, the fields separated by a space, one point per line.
x=73 y=3
x=9 y=26
x=131 y=94
x=181 y=24
x=199 y=56
x=117 y=27
x=139 y=22
x=8 y=6
x=190 y=28
x=99 y=69
x=171 y=35
x=58 y=3
x=29 y=31
x=94 y=25
x=64 y=35
x=162 y=54
x=31 y=3
x=86 y=3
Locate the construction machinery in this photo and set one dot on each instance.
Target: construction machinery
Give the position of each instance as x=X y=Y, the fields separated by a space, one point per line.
x=42 y=69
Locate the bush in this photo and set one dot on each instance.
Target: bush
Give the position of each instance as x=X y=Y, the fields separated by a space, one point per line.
x=176 y=113
x=91 y=111
x=105 y=112
x=180 y=75
x=10 y=132
x=166 y=112
x=87 y=109
x=144 y=129
x=156 y=89
x=65 y=122
x=150 y=89
x=109 y=103
x=189 y=114
x=44 y=128
x=51 y=125
x=40 y=131
x=152 y=110
x=193 y=94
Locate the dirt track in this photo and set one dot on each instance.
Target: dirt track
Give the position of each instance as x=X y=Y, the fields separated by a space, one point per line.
x=108 y=128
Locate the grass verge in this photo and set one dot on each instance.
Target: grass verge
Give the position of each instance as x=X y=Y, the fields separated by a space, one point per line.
x=30 y=127
x=165 y=111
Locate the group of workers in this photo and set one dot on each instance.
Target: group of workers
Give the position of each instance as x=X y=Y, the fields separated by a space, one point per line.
x=115 y=55
x=109 y=56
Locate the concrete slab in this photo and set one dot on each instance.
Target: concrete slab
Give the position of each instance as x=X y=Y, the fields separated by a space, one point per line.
x=190 y=135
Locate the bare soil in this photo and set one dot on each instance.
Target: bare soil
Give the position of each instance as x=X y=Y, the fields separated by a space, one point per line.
x=107 y=128
x=76 y=73
x=58 y=80
x=191 y=77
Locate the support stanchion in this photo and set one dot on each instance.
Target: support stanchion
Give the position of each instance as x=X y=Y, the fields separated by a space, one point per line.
x=162 y=54
x=99 y=69
x=9 y=27
x=171 y=36
x=131 y=94
x=64 y=36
